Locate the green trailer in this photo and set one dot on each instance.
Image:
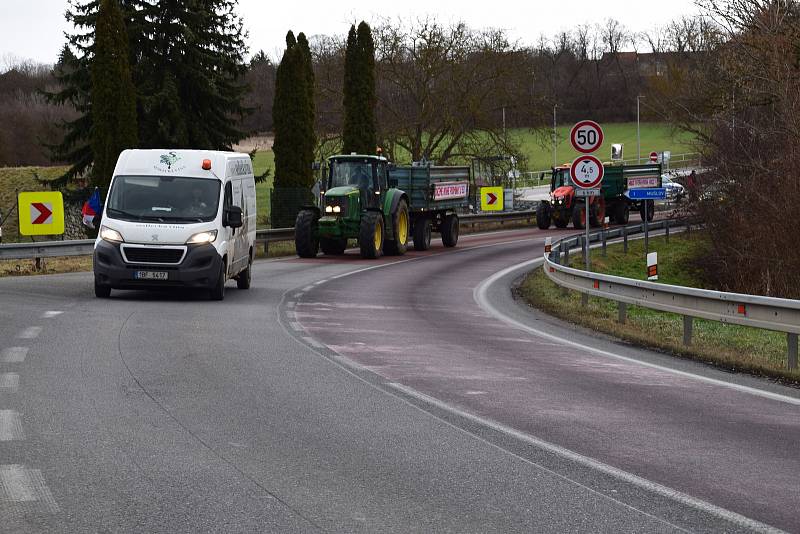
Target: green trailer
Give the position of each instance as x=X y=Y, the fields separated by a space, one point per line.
x=381 y=205
x=565 y=207
x=436 y=196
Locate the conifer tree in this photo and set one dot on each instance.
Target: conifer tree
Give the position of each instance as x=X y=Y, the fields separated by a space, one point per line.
x=113 y=111
x=359 y=101
x=187 y=65
x=293 y=122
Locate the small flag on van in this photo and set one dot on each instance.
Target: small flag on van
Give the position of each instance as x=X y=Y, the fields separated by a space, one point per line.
x=91 y=208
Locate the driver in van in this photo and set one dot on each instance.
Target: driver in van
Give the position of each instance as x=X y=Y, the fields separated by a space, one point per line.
x=197 y=201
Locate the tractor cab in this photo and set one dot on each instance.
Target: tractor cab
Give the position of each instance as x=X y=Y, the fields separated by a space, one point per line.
x=354 y=179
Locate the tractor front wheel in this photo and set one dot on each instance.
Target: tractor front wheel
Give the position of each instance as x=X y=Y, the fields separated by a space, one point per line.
x=543 y=215
x=371 y=235
x=306 y=234
x=399 y=242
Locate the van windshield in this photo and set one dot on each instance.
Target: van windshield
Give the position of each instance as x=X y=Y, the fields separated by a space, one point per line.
x=163 y=199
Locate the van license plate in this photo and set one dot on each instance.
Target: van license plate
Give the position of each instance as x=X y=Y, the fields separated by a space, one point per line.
x=150 y=275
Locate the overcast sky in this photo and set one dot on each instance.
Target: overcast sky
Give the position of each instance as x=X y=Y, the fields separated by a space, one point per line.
x=33 y=29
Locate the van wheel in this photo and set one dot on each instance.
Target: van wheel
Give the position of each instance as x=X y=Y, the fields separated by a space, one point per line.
x=101 y=291
x=218 y=289
x=243 y=280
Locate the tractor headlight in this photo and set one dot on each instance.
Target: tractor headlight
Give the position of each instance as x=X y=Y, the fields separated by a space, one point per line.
x=108 y=234
x=202 y=238
x=328 y=209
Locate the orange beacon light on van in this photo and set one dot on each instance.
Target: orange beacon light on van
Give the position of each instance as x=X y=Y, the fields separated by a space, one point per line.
x=206 y=164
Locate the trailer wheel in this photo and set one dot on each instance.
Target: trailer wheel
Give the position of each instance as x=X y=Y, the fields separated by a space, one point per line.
x=623 y=213
x=578 y=217
x=543 y=215
x=422 y=234
x=332 y=247
x=371 y=235
x=450 y=230
x=306 y=234
x=399 y=242
x=650 y=210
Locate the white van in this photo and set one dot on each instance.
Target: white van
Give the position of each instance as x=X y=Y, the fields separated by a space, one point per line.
x=177 y=218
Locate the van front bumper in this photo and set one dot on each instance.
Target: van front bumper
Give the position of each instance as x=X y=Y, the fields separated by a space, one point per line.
x=199 y=268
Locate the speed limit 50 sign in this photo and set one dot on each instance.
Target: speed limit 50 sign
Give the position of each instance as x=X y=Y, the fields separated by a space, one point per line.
x=586 y=172
x=586 y=137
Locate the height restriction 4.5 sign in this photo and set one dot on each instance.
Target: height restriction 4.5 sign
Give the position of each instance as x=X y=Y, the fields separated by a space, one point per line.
x=586 y=172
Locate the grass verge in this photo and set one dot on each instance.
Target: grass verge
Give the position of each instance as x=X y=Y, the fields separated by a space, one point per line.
x=730 y=347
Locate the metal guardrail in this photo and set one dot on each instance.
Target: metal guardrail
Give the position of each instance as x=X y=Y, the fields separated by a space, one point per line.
x=84 y=247
x=781 y=315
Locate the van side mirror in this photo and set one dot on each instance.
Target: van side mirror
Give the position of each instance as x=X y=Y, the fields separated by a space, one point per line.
x=233 y=217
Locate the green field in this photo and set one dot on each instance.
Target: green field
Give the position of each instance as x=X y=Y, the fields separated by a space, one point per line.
x=733 y=347
x=536 y=148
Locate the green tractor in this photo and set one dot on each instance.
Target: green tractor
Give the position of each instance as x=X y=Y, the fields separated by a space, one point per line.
x=356 y=203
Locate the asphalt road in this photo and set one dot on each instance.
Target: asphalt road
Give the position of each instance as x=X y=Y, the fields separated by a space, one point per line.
x=333 y=398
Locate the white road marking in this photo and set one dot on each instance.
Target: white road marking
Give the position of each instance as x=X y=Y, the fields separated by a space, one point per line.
x=51 y=314
x=32 y=332
x=13 y=354
x=619 y=474
x=313 y=342
x=480 y=296
x=319 y=282
x=290 y=304
x=291 y=315
x=11 y=426
x=307 y=288
x=20 y=485
x=297 y=327
x=9 y=382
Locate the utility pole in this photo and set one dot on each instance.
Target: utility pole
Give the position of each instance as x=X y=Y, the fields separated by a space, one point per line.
x=638 y=132
x=555 y=138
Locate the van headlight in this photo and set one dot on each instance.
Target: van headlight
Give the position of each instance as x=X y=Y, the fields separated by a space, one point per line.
x=110 y=235
x=209 y=236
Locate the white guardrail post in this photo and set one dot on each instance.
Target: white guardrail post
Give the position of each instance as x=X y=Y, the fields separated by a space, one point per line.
x=768 y=313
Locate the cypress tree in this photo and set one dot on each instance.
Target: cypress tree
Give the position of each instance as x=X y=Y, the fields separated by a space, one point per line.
x=359 y=101
x=187 y=65
x=293 y=122
x=113 y=96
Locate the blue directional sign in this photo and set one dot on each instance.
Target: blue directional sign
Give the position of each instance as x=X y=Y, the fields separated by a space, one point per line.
x=647 y=193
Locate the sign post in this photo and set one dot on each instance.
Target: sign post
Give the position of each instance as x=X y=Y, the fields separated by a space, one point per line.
x=646 y=194
x=586 y=171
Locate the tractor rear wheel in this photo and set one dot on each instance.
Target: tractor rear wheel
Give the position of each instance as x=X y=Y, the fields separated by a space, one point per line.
x=543 y=215
x=399 y=242
x=371 y=235
x=450 y=230
x=422 y=234
x=332 y=246
x=306 y=234
x=651 y=208
x=561 y=218
x=597 y=215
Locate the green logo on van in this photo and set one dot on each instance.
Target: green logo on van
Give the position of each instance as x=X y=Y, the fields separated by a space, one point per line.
x=170 y=159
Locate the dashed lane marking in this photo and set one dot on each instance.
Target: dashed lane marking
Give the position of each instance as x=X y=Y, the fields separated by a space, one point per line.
x=51 y=314
x=13 y=354
x=307 y=288
x=11 y=426
x=32 y=332
x=297 y=327
x=21 y=485
x=9 y=382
